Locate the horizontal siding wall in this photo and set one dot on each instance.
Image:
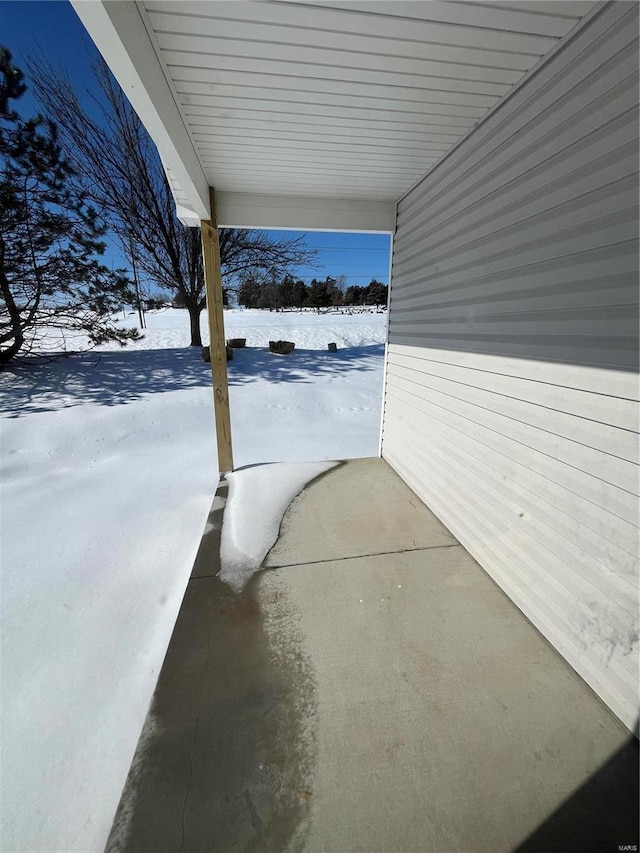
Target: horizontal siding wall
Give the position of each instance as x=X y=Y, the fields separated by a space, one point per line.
x=511 y=391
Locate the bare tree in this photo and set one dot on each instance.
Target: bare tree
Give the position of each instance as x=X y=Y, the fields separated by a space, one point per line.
x=123 y=177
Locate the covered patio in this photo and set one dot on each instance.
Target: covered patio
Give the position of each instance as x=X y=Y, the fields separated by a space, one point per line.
x=370 y=690
x=389 y=683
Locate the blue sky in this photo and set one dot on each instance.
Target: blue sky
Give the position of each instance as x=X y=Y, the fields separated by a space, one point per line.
x=360 y=257
x=53 y=26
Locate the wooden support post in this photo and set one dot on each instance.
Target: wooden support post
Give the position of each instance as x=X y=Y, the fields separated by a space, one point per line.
x=213 y=287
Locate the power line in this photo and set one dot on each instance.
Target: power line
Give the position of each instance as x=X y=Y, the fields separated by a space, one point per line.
x=349 y=277
x=346 y=249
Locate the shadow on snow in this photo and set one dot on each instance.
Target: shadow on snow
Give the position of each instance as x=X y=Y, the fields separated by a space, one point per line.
x=114 y=378
x=301 y=365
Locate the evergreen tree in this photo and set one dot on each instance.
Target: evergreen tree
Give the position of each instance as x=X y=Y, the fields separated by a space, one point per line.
x=50 y=276
x=270 y=296
x=353 y=295
x=249 y=292
x=300 y=294
x=318 y=296
x=376 y=293
x=287 y=292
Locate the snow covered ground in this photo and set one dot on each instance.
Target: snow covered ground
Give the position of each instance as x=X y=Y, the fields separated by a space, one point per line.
x=108 y=466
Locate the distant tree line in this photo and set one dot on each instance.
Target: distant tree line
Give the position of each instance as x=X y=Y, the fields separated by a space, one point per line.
x=256 y=291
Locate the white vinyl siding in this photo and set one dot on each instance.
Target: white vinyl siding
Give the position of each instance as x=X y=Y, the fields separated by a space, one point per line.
x=511 y=388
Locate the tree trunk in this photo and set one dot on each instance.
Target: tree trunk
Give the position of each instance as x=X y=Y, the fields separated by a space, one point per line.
x=194 y=325
x=14 y=317
x=7 y=354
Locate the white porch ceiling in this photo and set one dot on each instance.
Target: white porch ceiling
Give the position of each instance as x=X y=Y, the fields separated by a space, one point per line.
x=351 y=101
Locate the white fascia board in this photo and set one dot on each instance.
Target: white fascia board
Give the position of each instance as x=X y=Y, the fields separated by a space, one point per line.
x=300 y=213
x=119 y=32
x=184 y=212
x=187 y=216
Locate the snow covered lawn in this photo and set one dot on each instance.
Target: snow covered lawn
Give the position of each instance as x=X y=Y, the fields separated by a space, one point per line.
x=108 y=466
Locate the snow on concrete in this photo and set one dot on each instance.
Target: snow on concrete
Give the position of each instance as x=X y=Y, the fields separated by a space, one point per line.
x=258 y=499
x=107 y=470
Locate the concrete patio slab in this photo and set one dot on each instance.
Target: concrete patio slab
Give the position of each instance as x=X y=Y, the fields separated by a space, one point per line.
x=395 y=702
x=331 y=521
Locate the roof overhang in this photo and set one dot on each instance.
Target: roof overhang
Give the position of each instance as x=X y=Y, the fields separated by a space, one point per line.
x=255 y=210
x=310 y=116
x=121 y=36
